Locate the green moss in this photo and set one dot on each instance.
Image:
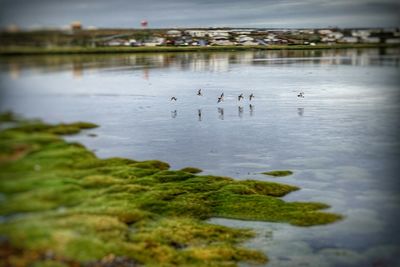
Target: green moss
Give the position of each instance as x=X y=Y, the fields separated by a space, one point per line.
x=191 y=170
x=60 y=197
x=278 y=173
x=59 y=129
x=8 y=116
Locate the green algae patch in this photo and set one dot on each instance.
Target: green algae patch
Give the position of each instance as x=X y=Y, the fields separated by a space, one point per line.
x=58 y=198
x=278 y=173
x=192 y=170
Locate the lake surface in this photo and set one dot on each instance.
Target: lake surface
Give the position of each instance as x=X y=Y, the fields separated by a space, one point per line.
x=341 y=140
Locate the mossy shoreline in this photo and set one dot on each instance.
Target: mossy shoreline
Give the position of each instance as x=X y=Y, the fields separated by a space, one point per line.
x=22 y=50
x=63 y=206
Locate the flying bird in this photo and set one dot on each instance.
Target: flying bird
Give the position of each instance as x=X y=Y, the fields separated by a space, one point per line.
x=301 y=94
x=199 y=92
x=219 y=99
x=251 y=97
x=174 y=98
x=240 y=97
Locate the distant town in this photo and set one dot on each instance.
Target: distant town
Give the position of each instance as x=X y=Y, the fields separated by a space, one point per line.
x=77 y=35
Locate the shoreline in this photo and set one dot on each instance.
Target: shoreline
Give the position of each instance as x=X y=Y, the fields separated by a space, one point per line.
x=18 y=50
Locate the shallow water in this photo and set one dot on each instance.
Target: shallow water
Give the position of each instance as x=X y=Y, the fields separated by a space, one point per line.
x=340 y=140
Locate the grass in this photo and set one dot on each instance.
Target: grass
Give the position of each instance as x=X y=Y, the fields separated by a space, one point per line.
x=28 y=50
x=59 y=199
x=278 y=173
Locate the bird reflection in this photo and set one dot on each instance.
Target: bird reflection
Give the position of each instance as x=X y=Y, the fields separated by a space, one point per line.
x=251 y=107
x=221 y=113
x=199 y=114
x=174 y=113
x=240 y=111
x=300 y=111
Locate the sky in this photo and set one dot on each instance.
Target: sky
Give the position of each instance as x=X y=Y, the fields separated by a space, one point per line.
x=197 y=13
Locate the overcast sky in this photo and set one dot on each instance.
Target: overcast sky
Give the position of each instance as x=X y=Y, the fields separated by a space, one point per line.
x=197 y=13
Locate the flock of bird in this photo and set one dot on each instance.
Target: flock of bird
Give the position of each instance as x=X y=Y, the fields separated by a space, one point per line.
x=240 y=97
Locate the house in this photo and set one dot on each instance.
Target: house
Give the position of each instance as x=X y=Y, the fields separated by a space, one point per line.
x=372 y=40
x=273 y=40
x=244 y=38
x=133 y=42
x=324 y=32
x=196 y=33
x=221 y=40
x=174 y=33
x=248 y=43
x=154 y=41
x=260 y=42
x=306 y=31
x=242 y=31
x=187 y=39
x=116 y=42
x=213 y=33
x=335 y=35
x=360 y=33
x=349 y=40
x=328 y=39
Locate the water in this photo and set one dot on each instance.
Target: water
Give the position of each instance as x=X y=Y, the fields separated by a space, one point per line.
x=340 y=140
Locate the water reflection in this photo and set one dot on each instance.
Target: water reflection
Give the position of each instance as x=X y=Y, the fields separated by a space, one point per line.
x=240 y=111
x=174 y=113
x=198 y=62
x=77 y=70
x=146 y=74
x=251 y=108
x=221 y=113
x=300 y=111
x=14 y=71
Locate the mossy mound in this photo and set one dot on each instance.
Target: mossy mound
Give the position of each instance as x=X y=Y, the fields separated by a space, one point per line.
x=278 y=173
x=61 y=200
x=192 y=170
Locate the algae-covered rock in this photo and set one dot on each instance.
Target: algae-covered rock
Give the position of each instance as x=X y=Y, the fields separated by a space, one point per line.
x=59 y=197
x=278 y=173
x=191 y=170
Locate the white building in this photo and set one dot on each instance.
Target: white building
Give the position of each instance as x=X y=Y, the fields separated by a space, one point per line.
x=222 y=42
x=212 y=33
x=360 y=33
x=349 y=40
x=324 y=32
x=174 y=33
x=196 y=33
x=117 y=42
x=248 y=43
x=154 y=41
x=244 y=38
x=372 y=40
x=335 y=35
